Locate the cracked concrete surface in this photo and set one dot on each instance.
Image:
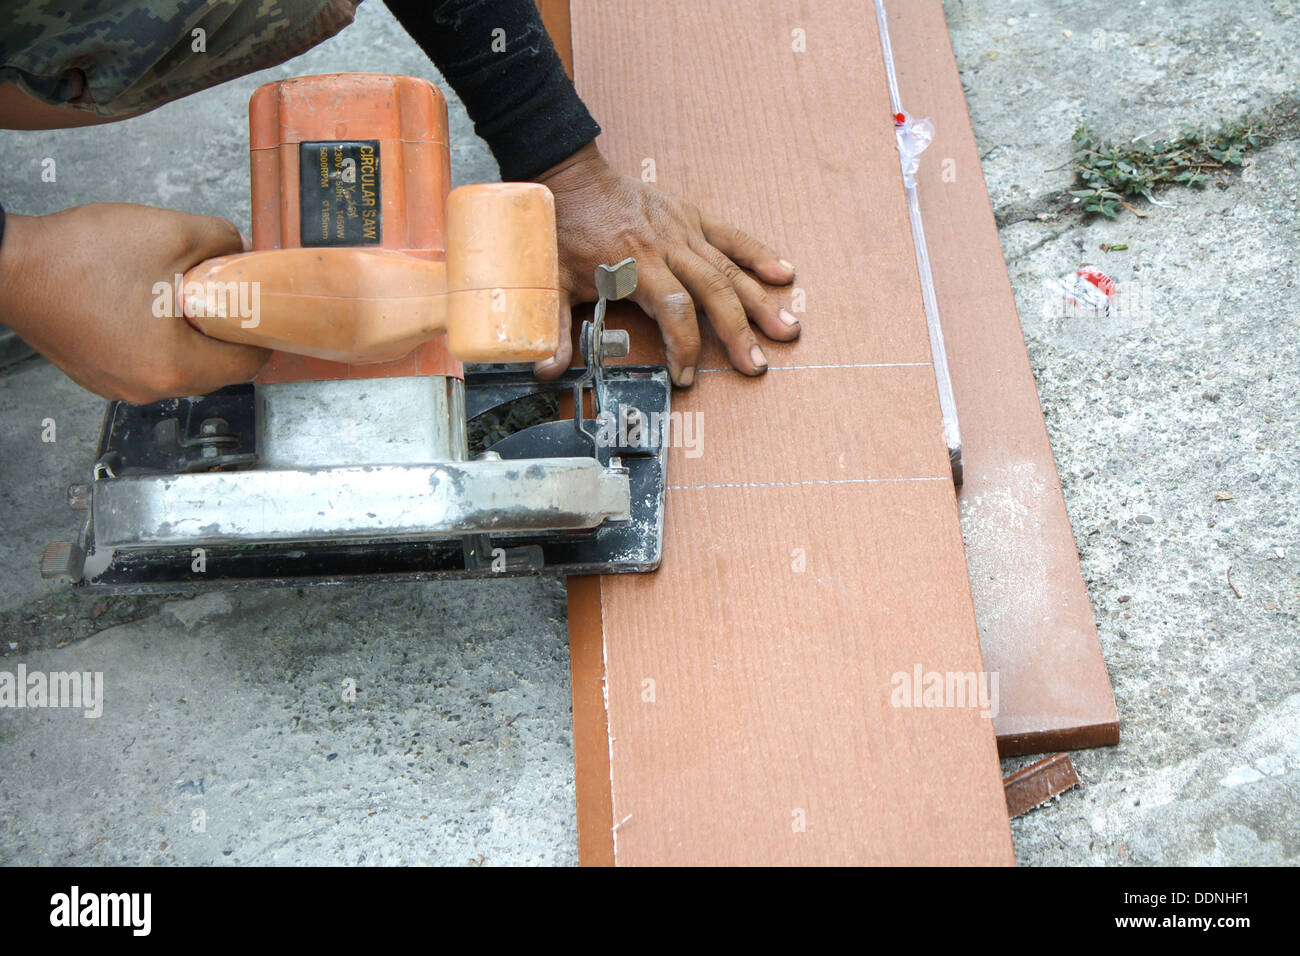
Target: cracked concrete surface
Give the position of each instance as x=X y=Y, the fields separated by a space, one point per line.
x=228 y=735
x=235 y=711
x=1174 y=421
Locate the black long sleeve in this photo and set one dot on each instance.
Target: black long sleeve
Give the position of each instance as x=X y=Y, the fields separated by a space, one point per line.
x=498 y=58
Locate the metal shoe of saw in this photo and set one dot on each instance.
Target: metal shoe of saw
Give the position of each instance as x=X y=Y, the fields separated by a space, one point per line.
x=347 y=457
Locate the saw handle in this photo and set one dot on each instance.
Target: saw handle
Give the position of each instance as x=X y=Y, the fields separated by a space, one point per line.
x=496 y=295
x=340 y=304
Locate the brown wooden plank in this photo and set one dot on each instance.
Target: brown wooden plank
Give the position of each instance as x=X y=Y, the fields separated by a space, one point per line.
x=813 y=549
x=1034 y=785
x=586 y=635
x=771 y=699
x=1036 y=625
x=555 y=14
x=590 y=725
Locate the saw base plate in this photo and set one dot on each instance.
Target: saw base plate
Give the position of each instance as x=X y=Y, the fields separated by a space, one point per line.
x=140 y=440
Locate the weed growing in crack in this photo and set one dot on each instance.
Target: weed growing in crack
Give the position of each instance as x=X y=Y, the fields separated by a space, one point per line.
x=1108 y=174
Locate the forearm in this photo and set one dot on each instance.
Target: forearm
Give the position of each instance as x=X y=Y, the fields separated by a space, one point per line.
x=498 y=58
x=18 y=273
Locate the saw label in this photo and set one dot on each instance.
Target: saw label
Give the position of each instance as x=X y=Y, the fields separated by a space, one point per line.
x=339 y=185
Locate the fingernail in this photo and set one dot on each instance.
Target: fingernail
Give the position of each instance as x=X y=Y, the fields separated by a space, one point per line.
x=786 y=317
x=787 y=263
x=757 y=357
x=687 y=377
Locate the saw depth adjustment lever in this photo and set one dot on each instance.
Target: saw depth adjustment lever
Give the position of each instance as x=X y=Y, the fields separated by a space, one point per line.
x=598 y=343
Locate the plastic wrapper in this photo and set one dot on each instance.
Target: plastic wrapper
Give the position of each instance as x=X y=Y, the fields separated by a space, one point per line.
x=914 y=135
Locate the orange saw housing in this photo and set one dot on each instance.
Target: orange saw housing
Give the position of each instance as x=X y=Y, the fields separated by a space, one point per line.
x=362 y=254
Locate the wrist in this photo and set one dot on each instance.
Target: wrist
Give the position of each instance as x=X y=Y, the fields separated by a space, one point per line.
x=580 y=168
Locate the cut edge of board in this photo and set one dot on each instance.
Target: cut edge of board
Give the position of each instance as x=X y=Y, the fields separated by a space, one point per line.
x=927 y=67
x=591 y=767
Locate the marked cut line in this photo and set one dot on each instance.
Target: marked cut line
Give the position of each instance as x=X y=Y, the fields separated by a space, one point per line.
x=822 y=481
x=803 y=368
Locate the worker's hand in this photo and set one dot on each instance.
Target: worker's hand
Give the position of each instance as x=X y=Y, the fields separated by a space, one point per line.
x=82 y=287
x=685 y=258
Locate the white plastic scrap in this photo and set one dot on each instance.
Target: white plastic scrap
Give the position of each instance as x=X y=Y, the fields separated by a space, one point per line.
x=1078 y=291
x=914 y=135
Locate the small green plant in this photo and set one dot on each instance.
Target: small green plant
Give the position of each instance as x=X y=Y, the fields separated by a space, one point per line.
x=1110 y=174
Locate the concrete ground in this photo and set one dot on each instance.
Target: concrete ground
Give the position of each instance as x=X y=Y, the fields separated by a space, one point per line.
x=1156 y=412
x=228 y=734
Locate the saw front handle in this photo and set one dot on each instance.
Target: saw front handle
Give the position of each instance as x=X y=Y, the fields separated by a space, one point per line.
x=495 y=296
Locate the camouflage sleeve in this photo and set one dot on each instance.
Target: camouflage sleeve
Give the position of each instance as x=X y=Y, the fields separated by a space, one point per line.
x=117 y=58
